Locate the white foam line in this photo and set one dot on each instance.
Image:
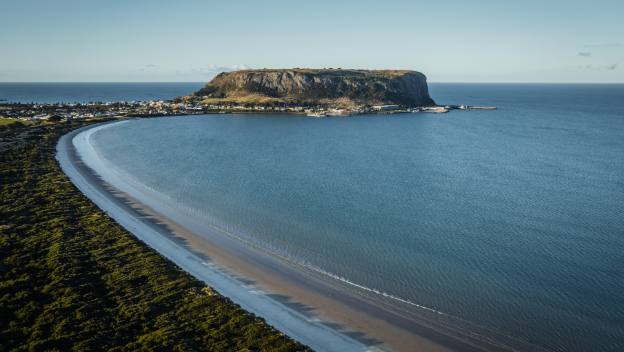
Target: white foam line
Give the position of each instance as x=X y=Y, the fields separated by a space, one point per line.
x=130 y=184
x=294 y=324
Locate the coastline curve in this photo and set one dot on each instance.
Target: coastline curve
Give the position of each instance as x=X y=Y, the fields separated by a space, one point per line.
x=314 y=333
x=297 y=299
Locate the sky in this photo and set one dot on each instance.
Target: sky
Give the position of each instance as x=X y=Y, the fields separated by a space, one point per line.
x=192 y=40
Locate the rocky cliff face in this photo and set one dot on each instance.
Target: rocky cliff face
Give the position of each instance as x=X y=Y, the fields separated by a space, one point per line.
x=319 y=87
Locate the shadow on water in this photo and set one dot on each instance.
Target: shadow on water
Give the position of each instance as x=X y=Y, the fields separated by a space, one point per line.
x=309 y=313
x=166 y=229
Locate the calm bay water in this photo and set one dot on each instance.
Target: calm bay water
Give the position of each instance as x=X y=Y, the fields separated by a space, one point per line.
x=510 y=219
x=92 y=92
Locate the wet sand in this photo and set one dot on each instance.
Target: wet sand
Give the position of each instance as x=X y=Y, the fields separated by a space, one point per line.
x=306 y=305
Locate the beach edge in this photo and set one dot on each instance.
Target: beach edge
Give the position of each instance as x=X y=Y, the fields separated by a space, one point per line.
x=315 y=334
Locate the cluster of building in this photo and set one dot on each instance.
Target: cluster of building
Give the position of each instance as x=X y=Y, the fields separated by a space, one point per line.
x=387 y=109
x=250 y=108
x=59 y=112
x=70 y=111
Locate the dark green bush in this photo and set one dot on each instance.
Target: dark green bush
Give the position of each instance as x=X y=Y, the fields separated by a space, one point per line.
x=72 y=279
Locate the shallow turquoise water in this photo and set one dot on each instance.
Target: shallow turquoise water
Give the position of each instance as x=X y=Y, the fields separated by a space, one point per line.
x=510 y=219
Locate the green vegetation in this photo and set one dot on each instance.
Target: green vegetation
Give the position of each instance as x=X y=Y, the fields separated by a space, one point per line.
x=5 y=121
x=72 y=279
x=250 y=99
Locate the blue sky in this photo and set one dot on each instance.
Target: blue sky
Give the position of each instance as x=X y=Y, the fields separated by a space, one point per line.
x=191 y=40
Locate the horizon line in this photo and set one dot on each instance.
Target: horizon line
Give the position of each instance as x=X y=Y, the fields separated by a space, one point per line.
x=435 y=82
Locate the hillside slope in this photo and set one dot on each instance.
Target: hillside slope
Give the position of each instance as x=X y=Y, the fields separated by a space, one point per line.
x=313 y=87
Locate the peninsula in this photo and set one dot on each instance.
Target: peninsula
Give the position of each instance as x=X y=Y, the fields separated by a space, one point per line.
x=314 y=92
x=318 y=92
x=324 y=87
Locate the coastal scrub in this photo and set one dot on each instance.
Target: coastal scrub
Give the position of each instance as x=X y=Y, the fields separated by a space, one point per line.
x=73 y=279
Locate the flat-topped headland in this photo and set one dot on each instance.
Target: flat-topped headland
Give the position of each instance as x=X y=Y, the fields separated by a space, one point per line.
x=317 y=92
x=318 y=87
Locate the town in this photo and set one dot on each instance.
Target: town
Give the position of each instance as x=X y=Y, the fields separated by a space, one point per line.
x=95 y=110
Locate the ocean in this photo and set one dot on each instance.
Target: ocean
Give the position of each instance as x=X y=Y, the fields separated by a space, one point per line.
x=508 y=222
x=92 y=92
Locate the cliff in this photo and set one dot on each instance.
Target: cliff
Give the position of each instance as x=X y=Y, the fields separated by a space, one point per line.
x=312 y=87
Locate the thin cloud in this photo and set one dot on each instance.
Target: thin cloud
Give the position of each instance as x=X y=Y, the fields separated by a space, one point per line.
x=610 y=67
x=148 y=67
x=214 y=69
x=605 y=45
x=208 y=71
x=584 y=53
x=229 y=68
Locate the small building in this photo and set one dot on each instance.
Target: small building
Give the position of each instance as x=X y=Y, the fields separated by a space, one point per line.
x=384 y=107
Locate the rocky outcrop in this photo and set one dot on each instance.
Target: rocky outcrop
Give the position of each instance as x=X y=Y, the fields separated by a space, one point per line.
x=327 y=87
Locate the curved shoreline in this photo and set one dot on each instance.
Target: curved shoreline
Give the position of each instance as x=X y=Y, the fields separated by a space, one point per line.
x=323 y=316
x=314 y=334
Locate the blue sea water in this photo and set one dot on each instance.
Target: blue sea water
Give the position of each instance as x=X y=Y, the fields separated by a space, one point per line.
x=511 y=220
x=92 y=92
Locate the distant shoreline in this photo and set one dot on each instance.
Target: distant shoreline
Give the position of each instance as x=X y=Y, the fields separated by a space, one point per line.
x=160 y=108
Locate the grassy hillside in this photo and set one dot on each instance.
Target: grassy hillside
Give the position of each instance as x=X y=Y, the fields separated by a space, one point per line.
x=8 y=121
x=72 y=279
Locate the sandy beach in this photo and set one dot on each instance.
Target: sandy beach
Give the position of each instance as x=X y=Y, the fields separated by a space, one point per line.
x=327 y=315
